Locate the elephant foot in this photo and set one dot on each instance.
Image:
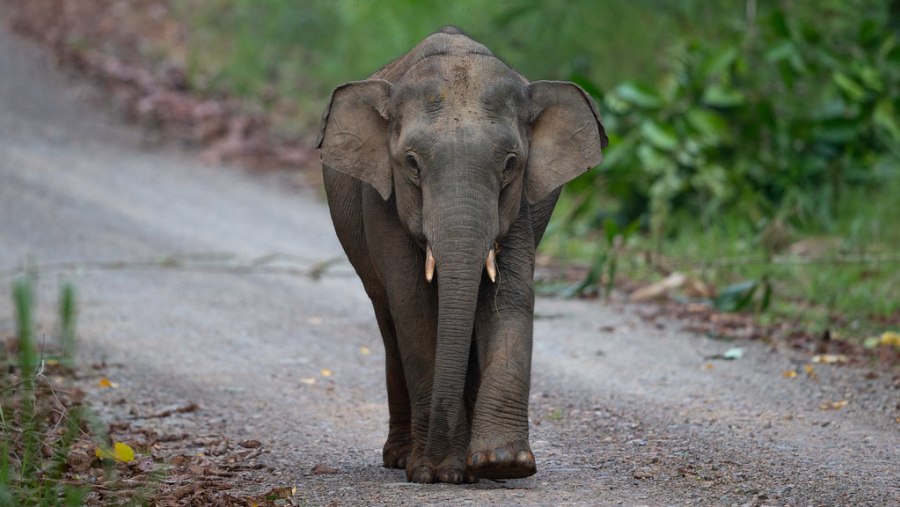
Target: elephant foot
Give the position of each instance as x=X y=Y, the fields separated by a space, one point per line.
x=396 y=452
x=512 y=460
x=450 y=471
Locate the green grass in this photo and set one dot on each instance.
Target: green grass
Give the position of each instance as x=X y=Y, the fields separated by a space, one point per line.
x=34 y=437
x=847 y=280
x=41 y=424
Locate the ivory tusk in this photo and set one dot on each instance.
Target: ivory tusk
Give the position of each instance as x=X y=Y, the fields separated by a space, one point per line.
x=429 y=264
x=491 y=265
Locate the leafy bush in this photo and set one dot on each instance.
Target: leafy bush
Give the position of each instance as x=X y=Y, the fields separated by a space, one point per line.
x=771 y=123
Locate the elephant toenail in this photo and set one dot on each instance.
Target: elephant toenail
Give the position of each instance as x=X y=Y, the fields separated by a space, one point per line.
x=476 y=459
x=450 y=476
x=401 y=462
x=422 y=475
x=524 y=458
x=500 y=455
x=470 y=478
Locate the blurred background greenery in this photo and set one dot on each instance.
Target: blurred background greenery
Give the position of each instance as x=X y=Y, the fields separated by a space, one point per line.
x=754 y=144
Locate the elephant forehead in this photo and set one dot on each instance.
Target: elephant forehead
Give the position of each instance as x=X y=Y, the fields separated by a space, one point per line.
x=463 y=87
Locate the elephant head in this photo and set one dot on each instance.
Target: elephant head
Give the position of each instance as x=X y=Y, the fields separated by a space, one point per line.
x=459 y=141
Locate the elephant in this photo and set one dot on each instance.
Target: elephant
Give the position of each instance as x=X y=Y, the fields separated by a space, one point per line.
x=441 y=171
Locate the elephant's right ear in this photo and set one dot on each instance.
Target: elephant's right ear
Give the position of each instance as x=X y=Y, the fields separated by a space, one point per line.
x=354 y=136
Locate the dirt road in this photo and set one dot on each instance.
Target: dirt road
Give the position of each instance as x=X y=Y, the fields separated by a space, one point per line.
x=623 y=411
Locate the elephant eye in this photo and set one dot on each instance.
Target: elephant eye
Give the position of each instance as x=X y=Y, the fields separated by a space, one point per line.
x=512 y=161
x=413 y=163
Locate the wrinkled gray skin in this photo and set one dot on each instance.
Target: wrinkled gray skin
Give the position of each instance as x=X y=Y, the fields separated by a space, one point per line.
x=448 y=147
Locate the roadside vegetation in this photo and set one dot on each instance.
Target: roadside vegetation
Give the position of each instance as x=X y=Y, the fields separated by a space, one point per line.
x=754 y=146
x=53 y=449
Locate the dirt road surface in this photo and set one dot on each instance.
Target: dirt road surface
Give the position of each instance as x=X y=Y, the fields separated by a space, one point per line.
x=624 y=412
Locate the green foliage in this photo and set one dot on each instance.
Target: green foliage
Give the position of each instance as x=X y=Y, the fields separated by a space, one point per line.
x=775 y=119
x=272 y=52
x=739 y=296
x=606 y=261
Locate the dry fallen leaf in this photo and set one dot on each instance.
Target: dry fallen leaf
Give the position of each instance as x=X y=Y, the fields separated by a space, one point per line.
x=321 y=469
x=285 y=492
x=810 y=371
x=789 y=374
x=830 y=358
x=890 y=338
x=314 y=320
x=326 y=372
x=120 y=452
x=643 y=473
x=696 y=288
x=308 y=380
x=709 y=366
x=833 y=405
x=364 y=351
x=146 y=465
x=78 y=461
x=105 y=383
x=250 y=444
x=660 y=288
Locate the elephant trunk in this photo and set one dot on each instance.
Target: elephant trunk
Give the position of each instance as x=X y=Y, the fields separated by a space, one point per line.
x=460 y=240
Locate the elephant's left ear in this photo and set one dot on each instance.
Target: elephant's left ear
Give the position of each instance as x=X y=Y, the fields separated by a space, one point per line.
x=566 y=137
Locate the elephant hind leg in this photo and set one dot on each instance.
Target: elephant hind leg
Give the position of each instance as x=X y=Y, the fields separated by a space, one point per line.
x=345 y=196
x=399 y=441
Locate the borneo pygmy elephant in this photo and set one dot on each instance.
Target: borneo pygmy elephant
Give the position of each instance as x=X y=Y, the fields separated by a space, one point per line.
x=441 y=172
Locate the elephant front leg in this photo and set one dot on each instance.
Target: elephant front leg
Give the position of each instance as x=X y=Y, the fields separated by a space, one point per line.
x=499 y=448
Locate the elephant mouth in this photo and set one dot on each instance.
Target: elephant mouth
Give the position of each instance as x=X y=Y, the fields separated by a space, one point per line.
x=490 y=263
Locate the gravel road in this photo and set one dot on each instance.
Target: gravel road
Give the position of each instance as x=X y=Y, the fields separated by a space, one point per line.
x=624 y=411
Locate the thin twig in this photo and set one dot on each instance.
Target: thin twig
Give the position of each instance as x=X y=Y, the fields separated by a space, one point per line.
x=787 y=260
x=199 y=263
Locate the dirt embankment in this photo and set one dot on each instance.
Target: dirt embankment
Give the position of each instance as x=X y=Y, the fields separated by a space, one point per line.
x=136 y=52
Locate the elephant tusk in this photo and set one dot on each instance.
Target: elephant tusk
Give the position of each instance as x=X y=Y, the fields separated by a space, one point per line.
x=429 y=264
x=491 y=265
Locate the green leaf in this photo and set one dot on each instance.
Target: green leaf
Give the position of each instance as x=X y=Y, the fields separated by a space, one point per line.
x=720 y=63
x=711 y=125
x=720 y=96
x=661 y=137
x=851 y=88
x=779 y=23
x=886 y=118
x=767 y=295
x=837 y=131
x=639 y=95
x=611 y=230
x=784 y=51
x=736 y=297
